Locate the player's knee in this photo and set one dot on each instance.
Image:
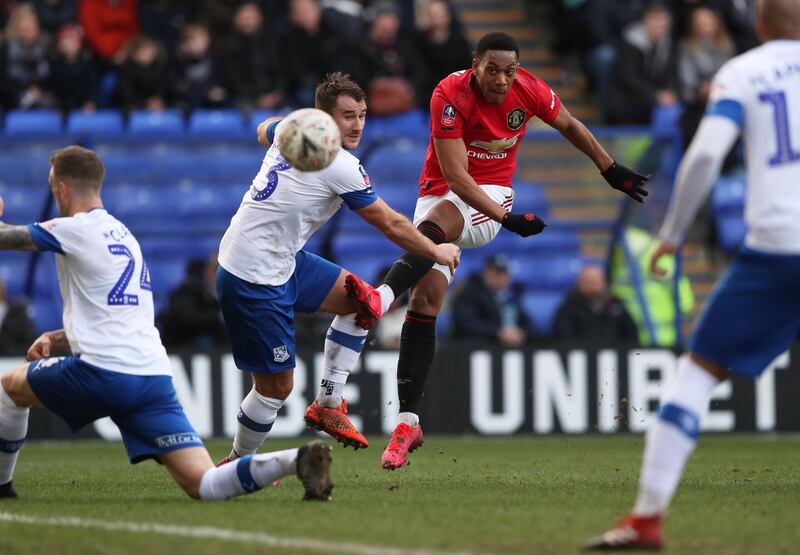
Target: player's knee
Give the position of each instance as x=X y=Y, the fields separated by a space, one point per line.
x=425 y=301
x=12 y=382
x=277 y=388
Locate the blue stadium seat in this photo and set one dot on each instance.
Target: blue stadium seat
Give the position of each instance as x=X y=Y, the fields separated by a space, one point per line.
x=257 y=116
x=554 y=239
x=23 y=203
x=124 y=169
x=33 y=124
x=100 y=124
x=364 y=254
x=529 y=197
x=235 y=168
x=553 y=271
x=182 y=167
x=217 y=124
x=413 y=124
x=541 y=307
x=166 y=124
x=397 y=161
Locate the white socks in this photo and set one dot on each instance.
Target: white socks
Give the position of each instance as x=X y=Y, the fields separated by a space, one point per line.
x=408 y=418
x=247 y=474
x=257 y=414
x=387 y=297
x=672 y=437
x=13 y=429
x=343 y=346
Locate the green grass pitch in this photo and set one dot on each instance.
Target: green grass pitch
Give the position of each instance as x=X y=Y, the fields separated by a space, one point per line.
x=740 y=495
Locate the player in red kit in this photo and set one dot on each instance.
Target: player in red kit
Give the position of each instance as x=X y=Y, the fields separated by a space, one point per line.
x=478 y=119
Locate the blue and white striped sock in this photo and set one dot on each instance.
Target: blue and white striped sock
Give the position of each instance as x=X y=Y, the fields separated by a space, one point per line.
x=671 y=438
x=13 y=429
x=256 y=416
x=247 y=474
x=343 y=346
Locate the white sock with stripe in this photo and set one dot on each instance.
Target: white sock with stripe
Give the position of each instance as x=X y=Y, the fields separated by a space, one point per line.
x=256 y=416
x=671 y=438
x=343 y=346
x=13 y=429
x=247 y=474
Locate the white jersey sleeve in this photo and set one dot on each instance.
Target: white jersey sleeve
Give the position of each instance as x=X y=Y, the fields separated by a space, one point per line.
x=351 y=182
x=61 y=235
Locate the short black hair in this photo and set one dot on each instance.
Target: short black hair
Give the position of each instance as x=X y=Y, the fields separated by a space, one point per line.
x=496 y=41
x=332 y=87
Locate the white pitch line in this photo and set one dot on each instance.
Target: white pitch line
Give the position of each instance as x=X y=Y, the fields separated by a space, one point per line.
x=225 y=534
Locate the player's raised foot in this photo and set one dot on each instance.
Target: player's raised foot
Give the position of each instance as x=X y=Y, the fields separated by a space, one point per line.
x=8 y=491
x=334 y=422
x=367 y=299
x=640 y=533
x=405 y=439
x=314 y=470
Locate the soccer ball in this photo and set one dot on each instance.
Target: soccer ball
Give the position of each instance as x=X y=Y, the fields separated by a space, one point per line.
x=309 y=139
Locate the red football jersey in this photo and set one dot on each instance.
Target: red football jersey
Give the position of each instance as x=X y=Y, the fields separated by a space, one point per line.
x=491 y=132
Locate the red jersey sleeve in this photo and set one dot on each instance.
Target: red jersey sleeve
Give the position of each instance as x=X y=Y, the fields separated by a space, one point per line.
x=446 y=121
x=546 y=101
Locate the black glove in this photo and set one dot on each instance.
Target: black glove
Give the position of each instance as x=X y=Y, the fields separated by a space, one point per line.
x=523 y=224
x=626 y=180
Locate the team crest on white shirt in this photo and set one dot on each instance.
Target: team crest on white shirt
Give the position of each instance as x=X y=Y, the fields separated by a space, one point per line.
x=280 y=354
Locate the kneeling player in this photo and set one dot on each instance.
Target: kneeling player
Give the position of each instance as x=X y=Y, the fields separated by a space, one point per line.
x=118 y=367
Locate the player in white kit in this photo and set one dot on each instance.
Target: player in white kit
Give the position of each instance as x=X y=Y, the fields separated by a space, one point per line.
x=118 y=366
x=753 y=314
x=264 y=275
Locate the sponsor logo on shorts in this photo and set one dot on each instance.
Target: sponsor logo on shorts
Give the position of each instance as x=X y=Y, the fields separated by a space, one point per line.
x=448 y=115
x=172 y=440
x=280 y=354
x=46 y=362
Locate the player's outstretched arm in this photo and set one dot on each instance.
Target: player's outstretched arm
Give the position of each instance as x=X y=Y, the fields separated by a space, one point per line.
x=402 y=233
x=15 y=237
x=618 y=176
x=46 y=343
x=264 y=137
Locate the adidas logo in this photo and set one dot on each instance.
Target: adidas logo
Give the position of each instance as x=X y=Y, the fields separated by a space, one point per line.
x=478 y=125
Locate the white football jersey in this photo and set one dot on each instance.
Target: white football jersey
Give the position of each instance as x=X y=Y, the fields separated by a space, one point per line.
x=760 y=90
x=105 y=286
x=282 y=209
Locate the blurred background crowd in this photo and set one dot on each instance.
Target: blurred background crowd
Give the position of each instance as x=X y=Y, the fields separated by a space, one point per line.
x=152 y=54
x=639 y=63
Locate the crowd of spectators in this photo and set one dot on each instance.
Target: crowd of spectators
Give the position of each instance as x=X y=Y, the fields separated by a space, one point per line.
x=643 y=54
x=151 y=54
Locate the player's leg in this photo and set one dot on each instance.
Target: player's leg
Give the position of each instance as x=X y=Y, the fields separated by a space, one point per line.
x=155 y=426
x=258 y=411
x=417 y=349
x=344 y=342
x=259 y=319
x=440 y=221
x=16 y=397
x=727 y=337
x=192 y=470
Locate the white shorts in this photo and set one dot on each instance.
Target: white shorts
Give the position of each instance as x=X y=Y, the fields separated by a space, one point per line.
x=479 y=229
